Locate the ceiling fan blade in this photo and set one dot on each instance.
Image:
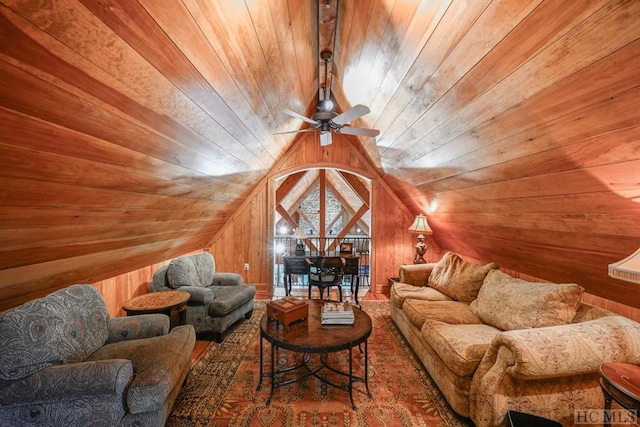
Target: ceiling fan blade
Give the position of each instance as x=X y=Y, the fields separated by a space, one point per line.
x=299 y=116
x=296 y=131
x=348 y=130
x=325 y=138
x=351 y=114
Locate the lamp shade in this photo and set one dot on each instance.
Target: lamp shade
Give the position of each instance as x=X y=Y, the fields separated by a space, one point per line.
x=300 y=234
x=420 y=225
x=627 y=269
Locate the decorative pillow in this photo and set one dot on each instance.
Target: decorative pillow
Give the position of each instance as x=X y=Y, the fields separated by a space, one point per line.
x=66 y=326
x=416 y=275
x=457 y=278
x=509 y=303
x=191 y=270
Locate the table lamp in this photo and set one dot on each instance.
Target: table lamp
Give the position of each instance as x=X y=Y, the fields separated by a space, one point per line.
x=627 y=269
x=421 y=227
x=300 y=235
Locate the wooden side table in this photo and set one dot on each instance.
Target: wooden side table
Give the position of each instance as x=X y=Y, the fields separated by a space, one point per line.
x=620 y=382
x=171 y=303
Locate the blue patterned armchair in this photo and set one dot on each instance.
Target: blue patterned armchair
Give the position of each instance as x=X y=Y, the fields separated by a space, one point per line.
x=218 y=300
x=65 y=362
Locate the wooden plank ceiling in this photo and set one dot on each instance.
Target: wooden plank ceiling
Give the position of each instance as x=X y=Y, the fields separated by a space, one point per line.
x=133 y=129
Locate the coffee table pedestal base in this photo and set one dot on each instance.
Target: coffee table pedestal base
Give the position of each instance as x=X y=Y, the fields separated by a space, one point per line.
x=315 y=371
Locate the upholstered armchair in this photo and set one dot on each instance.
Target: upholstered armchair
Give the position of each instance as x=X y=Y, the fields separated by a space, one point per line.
x=65 y=362
x=218 y=300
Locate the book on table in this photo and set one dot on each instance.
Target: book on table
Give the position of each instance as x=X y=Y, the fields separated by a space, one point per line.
x=334 y=313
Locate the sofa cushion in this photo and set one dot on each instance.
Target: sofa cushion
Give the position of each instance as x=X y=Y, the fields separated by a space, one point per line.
x=461 y=347
x=457 y=278
x=509 y=303
x=401 y=291
x=455 y=312
x=63 y=327
x=191 y=270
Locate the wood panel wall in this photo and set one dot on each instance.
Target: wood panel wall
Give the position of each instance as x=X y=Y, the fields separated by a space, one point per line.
x=519 y=133
x=135 y=130
x=132 y=130
x=248 y=235
x=118 y=289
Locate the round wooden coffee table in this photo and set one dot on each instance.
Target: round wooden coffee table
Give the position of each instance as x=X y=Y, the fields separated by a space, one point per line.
x=171 y=303
x=309 y=337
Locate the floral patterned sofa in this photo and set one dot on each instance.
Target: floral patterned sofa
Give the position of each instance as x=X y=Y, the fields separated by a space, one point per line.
x=65 y=362
x=493 y=342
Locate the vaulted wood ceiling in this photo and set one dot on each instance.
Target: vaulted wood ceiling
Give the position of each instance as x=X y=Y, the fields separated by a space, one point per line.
x=133 y=129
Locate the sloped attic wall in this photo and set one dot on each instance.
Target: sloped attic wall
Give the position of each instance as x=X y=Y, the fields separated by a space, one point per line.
x=248 y=235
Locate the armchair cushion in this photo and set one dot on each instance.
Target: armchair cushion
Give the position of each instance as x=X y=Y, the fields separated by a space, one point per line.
x=509 y=303
x=65 y=327
x=191 y=270
x=457 y=278
x=155 y=377
x=229 y=298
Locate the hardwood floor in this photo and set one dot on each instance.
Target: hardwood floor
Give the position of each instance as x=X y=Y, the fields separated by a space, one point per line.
x=375 y=297
x=199 y=348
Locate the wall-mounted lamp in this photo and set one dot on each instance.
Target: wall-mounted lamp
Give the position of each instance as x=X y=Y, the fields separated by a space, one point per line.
x=420 y=226
x=627 y=269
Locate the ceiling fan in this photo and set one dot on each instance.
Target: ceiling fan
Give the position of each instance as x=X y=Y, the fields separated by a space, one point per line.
x=326 y=120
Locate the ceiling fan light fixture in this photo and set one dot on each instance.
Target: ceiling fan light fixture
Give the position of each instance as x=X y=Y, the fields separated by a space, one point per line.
x=325 y=105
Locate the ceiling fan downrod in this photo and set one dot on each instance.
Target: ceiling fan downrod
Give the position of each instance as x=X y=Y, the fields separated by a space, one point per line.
x=326 y=104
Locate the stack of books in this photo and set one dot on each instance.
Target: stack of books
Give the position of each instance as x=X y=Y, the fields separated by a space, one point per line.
x=337 y=313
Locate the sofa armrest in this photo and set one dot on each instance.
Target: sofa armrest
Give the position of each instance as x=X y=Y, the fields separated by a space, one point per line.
x=549 y=364
x=227 y=279
x=416 y=274
x=139 y=326
x=565 y=350
x=199 y=295
x=68 y=382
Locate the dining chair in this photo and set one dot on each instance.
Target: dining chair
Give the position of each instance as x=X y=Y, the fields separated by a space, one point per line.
x=325 y=273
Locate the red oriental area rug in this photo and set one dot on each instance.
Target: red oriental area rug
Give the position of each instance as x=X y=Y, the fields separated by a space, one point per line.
x=221 y=387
